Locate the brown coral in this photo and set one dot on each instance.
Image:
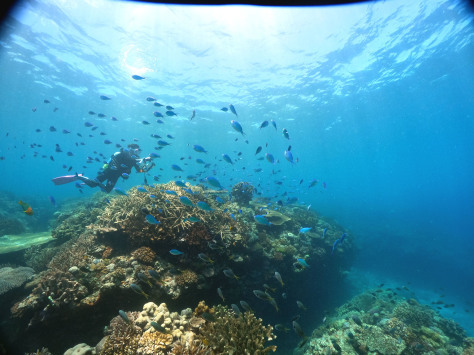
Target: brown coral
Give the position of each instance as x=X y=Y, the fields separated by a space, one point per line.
x=154 y=343
x=186 y=278
x=242 y=335
x=144 y=255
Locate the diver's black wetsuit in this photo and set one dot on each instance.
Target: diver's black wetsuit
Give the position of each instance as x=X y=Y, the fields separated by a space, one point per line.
x=119 y=163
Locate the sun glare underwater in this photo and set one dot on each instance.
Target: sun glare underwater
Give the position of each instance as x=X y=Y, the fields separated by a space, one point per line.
x=237 y=179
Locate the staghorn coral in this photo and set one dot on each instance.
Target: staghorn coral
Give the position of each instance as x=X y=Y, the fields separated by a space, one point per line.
x=144 y=255
x=237 y=335
x=11 y=278
x=125 y=216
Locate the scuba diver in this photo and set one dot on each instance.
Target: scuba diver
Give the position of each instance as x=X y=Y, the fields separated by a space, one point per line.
x=120 y=164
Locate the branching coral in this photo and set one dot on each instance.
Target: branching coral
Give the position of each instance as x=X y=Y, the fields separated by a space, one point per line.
x=237 y=335
x=126 y=215
x=123 y=337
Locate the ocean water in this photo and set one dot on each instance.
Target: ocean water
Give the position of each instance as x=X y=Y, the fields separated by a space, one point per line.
x=376 y=97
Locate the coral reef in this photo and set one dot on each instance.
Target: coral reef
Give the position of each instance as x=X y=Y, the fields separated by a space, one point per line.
x=71 y=221
x=242 y=193
x=11 y=278
x=121 y=258
x=383 y=322
x=156 y=330
x=243 y=334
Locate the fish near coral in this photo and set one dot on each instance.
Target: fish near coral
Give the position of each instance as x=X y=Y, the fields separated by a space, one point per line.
x=26 y=208
x=279 y=279
x=176 y=252
x=305 y=230
x=187 y=202
x=152 y=220
x=261 y=219
x=221 y=295
x=246 y=306
x=230 y=274
x=204 y=206
x=138 y=289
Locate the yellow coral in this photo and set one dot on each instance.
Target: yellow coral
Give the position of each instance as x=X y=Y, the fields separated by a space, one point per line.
x=154 y=343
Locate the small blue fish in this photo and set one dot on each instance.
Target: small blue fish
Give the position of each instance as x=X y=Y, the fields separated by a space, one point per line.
x=141 y=189
x=175 y=252
x=107 y=141
x=186 y=201
x=302 y=262
x=125 y=176
x=204 y=206
x=88 y=124
x=270 y=158
x=157 y=114
x=264 y=124
x=180 y=183
x=171 y=192
x=285 y=133
x=324 y=232
x=105 y=97
x=343 y=236
x=211 y=180
x=227 y=158
x=137 y=77
x=200 y=161
x=240 y=211
x=124 y=316
x=120 y=191
x=274 y=124
x=289 y=156
x=52 y=200
x=334 y=246
x=199 y=149
x=305 y=230
x=152 y=196
x=236 y=125
x=152 y=220
x=154 y=155
x=162 y=143
x=176 y=167
x=189 y=191
x=219 y=200
x=232 y=109
x=261 y=219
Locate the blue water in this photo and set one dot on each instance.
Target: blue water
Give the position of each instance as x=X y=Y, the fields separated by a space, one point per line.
x=377 y=99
